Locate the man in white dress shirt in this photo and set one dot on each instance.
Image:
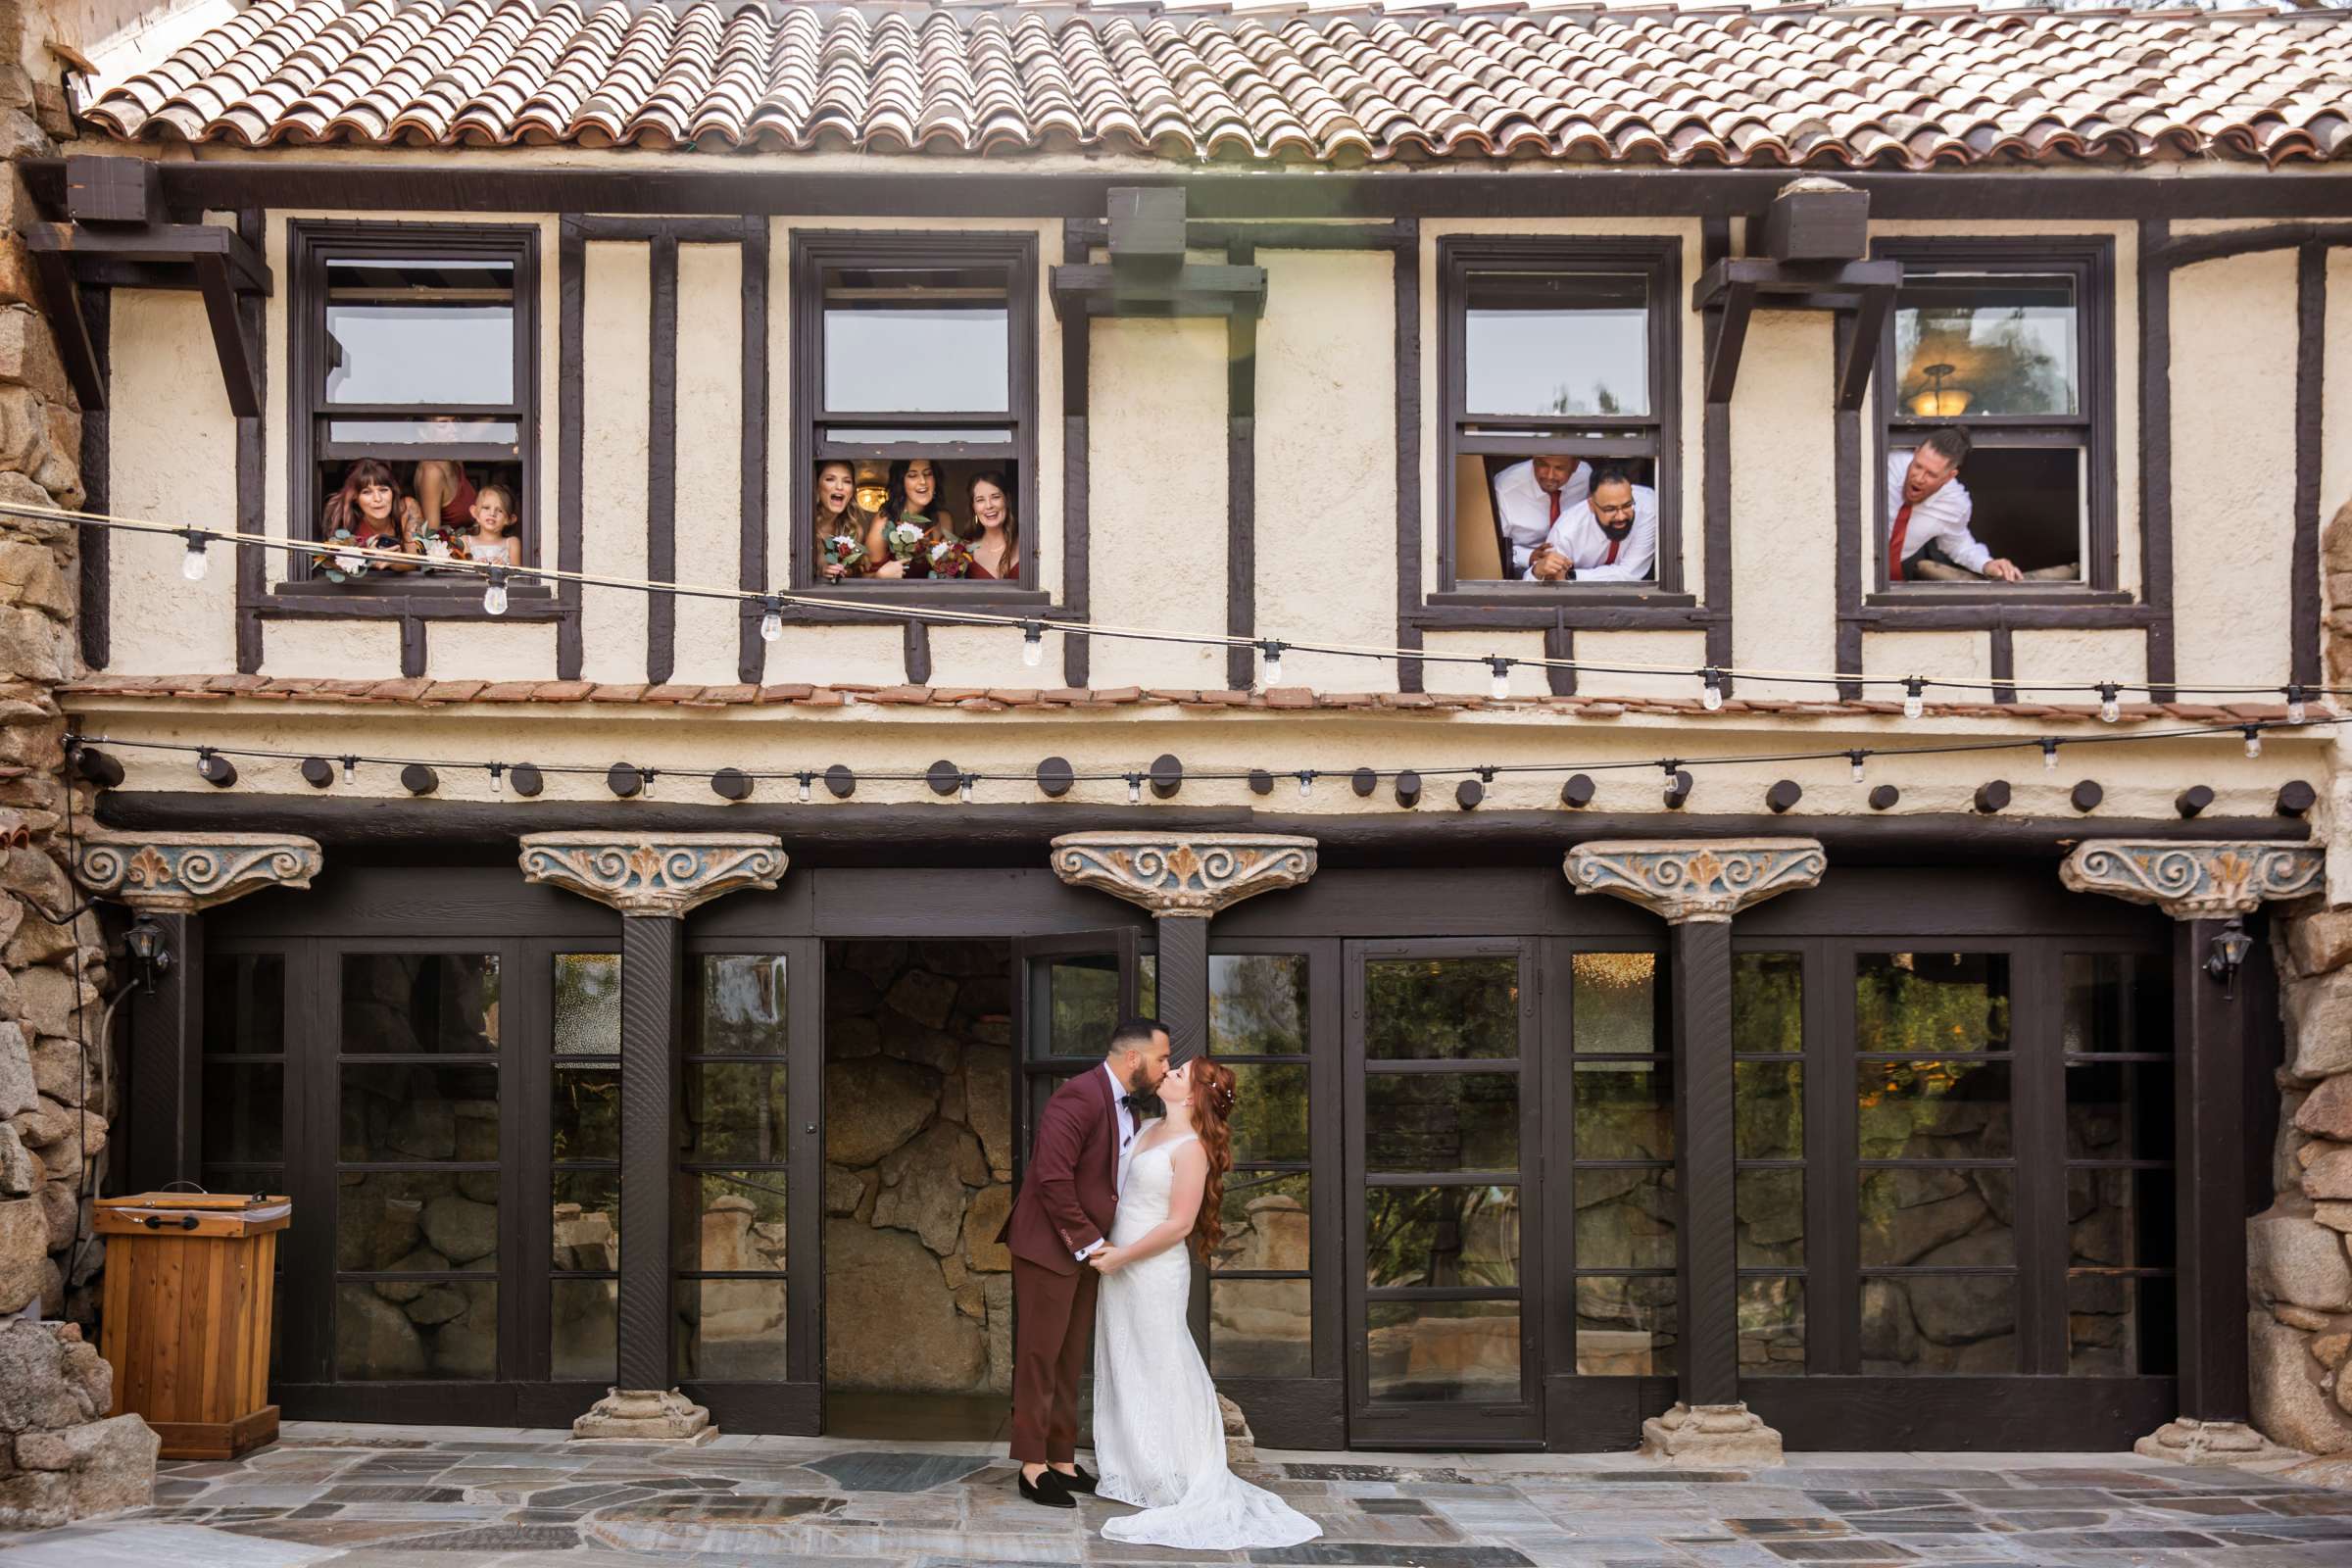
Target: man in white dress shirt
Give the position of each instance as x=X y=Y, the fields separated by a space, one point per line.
x=1529 y=497
x=1928 y=509
x=1610 y=536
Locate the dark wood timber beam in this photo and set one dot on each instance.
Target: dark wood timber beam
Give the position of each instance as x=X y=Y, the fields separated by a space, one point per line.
x=2186 y=250
x=60 y=300
x=1862 y=349
x=237 y=368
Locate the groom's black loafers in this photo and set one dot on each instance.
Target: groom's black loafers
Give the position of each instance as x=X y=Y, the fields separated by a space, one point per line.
x=1047 y=1490
x=1080 y=1481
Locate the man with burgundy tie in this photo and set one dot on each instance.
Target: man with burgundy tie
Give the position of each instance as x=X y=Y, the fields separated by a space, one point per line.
x=1610 y=536
x=1928 y=512
x=1069 y=1194
x=1530 y=497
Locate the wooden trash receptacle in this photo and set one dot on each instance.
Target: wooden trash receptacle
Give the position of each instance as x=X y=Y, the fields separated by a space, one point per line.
x=187 y=1309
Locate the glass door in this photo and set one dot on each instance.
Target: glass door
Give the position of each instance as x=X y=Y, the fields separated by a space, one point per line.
x=1443 y=1174
x=1072 y=990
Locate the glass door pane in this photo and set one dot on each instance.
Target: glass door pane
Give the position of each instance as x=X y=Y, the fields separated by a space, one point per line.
x=1072 y=992
x=584 y=1151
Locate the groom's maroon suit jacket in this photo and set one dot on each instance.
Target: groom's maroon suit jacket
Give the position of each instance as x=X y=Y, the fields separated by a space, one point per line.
x=1071 y=1187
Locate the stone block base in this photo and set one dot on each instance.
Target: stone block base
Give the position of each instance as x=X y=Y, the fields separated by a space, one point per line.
x=101 y=1467
x=1711 y=1435
x=2190 y=1441
x=645 y=1416
x=1241 y=1446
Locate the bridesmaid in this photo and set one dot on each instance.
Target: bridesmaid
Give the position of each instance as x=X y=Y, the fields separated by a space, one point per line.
x=914 y=498
x=836 y=513
x=373 y=504
x=994 y=533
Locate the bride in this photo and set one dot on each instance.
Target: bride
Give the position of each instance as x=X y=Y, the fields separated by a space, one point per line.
x=1159 y=1435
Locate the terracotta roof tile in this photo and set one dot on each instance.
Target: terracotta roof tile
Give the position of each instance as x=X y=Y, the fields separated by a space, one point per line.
x=1771 y=86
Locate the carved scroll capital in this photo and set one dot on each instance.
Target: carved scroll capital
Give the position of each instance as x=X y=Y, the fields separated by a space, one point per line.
x=661 y=875
x=2193 y=879
x=1695 y=879
x=1194 y=874
x=180 y=873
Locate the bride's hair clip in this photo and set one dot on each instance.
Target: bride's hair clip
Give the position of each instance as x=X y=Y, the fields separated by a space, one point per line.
x=1226 y=1098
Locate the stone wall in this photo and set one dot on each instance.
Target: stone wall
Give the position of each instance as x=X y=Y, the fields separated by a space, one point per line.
x=919 y=1166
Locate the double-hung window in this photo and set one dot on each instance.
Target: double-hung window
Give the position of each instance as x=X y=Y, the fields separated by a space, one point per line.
x=915 y=377
x=2009 y=343
x=415 y=388
x=1558 y=386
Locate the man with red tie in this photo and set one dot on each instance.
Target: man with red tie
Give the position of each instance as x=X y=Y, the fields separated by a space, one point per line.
x=1531 y=497
x=1610 y=536
x=1928 y=512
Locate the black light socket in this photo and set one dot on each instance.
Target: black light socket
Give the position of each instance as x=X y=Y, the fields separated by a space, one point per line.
x=525 y=781
x=1167 y=775
x=98 y=768
x=943 y=777
x=731 y=784
x=2192 y=801
x=1468 y=793
x=2087 y=795
x=2297 y=798
x=1993 y=796
x=1056 y=777
x=217 y=770
x=1261 y=782
x=1578 y=791
x=1678 y=790
x=418 y=779
x=841 y=781
x=1885 y=797
x=1363 y=781
x=318 y=772
x=623 y=780
x=1409 y=789
x=1783 y=795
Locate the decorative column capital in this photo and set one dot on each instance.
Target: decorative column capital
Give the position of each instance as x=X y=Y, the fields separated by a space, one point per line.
x=182 y=873
x=1184 y=875
x=2193 y=879
x=661 y=875
x=1685 y=880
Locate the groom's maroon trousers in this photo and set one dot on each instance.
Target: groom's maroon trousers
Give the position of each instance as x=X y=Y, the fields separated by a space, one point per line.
x=1068 y=1198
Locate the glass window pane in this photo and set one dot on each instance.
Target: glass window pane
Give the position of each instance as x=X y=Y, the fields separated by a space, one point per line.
x=2119 y=1110
x=446 y=1331
x=416 y=1221
x=1441 y=1122
x=951 y=442
x=1041 y=1090
x=1074 y=1005
x=1624 y=1218
x=730 y=1331
x=742 y=1006
x=404 y=1113
x=1940 y=1324
x=1538 y=342
x=245 y=1004
x=1267 y=1221
x=737 y=1222
x=420 y=1001
x=1931 y=1002
x=2118 y=1326
x=587 y=1221
x=1441 y=1008
x=434 y=430
x=587 y=1005
x=1772 y=1327
x=1967 y=345
x=2121 y=1218
x=1768 y=1109
x=1440 y=1236
x=735 y=1110
x=421 y=330
x=1616 y=1002
x=1442 y=1352
x=1625 y=1325
x=587 y=1113
x=244 y=1111
x=918 y=340
x=1257 y=1004
x=1269 y=1112
x=1926 y=1216
x=1768 y=1001
x=583 y=1331
x=1624 y=1110
x=1146 y=983
x=1954 y=1109
x=1768 y=1211
x=2118 y=1002
x=1260 y=1328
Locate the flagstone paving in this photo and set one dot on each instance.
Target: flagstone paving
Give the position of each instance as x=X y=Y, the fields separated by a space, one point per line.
x=363 y=1497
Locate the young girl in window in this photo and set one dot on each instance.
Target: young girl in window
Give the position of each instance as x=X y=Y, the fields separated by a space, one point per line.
x=841 y=531
x=492 y=515
x=913 y=503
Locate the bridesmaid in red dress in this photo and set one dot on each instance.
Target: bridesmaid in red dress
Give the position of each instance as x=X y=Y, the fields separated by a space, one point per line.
x=992 y=534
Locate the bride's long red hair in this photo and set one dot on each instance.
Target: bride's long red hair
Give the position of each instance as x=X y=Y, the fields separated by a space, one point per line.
x=1212 y=1111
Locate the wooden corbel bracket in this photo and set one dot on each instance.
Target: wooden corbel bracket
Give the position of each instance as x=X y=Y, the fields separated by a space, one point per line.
x=1736 y=285
x=214 y=261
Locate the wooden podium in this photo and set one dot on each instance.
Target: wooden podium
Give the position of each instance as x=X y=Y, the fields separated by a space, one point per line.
x=187 y=1310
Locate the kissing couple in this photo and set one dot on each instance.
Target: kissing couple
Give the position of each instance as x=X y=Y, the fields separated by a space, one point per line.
x=1124 y=1188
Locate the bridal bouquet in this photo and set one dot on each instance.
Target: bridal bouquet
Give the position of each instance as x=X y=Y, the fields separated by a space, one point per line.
x=903 y=538
x=844 y=550
x=948 y=556
x=341 y=561
x=443 y=545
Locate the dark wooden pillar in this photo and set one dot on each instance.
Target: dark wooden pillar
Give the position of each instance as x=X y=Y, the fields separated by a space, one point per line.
x=1184 y=984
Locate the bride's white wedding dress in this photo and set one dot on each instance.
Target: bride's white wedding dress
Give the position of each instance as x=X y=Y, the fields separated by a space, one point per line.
x=1159 y=1438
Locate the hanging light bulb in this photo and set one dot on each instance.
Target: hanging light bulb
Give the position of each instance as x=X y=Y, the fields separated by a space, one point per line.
x=494 y=597
x=1135 y=788
x=1710 y=696
x=771 y=619
x=805 y=779
x=2253 y=740
x=350 y=765
x=498 y=778
x=1914 y=703
x=647 y=774
x=1306 y=782
x=963 y=787
x=1269 y=656
x=1856 y=759
x=1500 y=686
x=1033 y=643
x=192 y=564
x=2110 y=709
x=2295 y=709
x=2049 y=755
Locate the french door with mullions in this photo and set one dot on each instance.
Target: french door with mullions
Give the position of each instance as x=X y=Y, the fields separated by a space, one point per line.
x=1442 y=1208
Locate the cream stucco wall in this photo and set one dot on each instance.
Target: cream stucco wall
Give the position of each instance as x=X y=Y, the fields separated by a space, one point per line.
x=709 y=455
x=1784 y=496
x=617 y=304
x=2336 y=369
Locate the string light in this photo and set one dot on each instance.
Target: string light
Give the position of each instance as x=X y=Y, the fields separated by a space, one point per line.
x=1501 y=685
x=498 y=778
x=494 y=597
x=2253 y=740
x=771 y=619
x=1856 y=759
x=2110 y=709
x=1914 y=704
x=351 y=771
x=1269 y=656
x=1306 y=782
x=805 y=778
x=1135 y=788
x=963 y=787
x=2295 y=705
x=1033 y=643
x=193 y=564
x=2049 y=754
x=1710 y=696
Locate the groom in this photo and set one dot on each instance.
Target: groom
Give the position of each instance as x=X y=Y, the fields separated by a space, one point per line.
x=1062 y=1216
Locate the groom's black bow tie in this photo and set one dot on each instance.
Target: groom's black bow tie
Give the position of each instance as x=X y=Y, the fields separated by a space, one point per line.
x=1143 y=1103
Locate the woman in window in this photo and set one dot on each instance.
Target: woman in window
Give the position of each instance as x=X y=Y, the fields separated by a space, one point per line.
x=376 y=509
x=842 y=531
x=992 y=534
x=914 y=500
x=444 y=494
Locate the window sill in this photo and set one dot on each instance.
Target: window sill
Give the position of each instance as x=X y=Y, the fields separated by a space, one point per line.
x=1968 y=606
x=1574 y=605
x=920 y=594
x=394 y=598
